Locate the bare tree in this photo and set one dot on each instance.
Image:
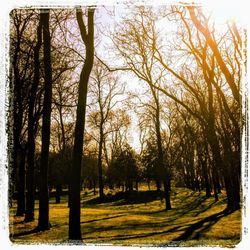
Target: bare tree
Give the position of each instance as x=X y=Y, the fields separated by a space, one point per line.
x=133 y=42
x=30 y=199
x=105 y=90
x=43 y=219
x=75 y=185
x=21 y=57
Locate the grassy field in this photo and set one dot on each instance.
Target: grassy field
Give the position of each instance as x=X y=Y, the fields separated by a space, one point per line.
x=139 y=220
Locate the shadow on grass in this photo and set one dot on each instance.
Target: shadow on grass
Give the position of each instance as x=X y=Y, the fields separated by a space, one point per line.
x=19 y=222
x=32 y=231
x=200 y=226
x=192 y=206
x=121 y=237
x=127 y=198
x=101 y=219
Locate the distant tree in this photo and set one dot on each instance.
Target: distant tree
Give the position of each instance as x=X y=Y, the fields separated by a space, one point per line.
x=105 y=90
x=132 y=41
x=119 y=123
x=90 y=170
x=124 y=168
x=149 y=160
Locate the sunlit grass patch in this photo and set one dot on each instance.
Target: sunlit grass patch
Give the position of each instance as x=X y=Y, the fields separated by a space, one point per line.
x=134 y=221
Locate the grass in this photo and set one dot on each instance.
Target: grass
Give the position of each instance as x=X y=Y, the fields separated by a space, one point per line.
x=139 y=219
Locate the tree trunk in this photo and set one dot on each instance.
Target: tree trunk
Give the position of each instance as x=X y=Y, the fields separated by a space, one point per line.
x=18 y=120
x=58 y=193
x=162 y=171
x=21 y=183
x=43 y=219
x=101 y=194
x=149 y=184
x=136 y=185
x=75 y=180
x=158 y=185
x=30 y=197
x=205 y=176
x=94 y=186
x=167 y=194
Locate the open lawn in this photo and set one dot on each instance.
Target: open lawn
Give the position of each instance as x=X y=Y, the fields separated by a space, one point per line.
x=139 y=219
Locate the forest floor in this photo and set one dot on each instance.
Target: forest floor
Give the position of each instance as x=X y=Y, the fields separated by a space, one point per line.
x=139 y=219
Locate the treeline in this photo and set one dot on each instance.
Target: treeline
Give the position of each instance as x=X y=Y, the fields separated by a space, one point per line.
x=73 y=112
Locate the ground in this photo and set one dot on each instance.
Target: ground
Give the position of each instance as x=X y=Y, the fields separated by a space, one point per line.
x=139 y=219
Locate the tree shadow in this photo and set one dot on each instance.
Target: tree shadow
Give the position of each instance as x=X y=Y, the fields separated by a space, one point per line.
x=120 y=237
x=106 y=218
x=32 y=231
x=209 y=206
x=19 y=222
x=191 y=233
x=186 y=208
x=126 y=198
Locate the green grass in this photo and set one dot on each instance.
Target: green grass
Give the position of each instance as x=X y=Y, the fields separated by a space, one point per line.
x=139 y=220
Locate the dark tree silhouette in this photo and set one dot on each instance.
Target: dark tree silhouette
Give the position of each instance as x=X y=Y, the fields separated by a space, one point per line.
x=30 y=199
x=21 y=75
x=43 y=220
x=75 y=180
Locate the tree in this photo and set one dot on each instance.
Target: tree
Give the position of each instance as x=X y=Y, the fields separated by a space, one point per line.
x=43 y=219
x=217 y=64
x=75 y=181
x=30 y=199
x=124 y=162
x=21 y=55
x=105 y=90
x=133 y=43
x=119 y=123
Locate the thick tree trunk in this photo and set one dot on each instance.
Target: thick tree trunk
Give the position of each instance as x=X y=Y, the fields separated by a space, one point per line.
x=30 y=197
x=43 y=219
x=232 y=179
x=75 y=180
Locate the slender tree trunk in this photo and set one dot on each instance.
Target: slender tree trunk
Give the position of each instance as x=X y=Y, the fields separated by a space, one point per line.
x=137 y=185
x=43 y=219
x=205 y=176
x=30 y=197
x=94 y=187
x=10 y=149
x=101 y=194
x=18 y=120
x=162 y=171
x=62 y=156
x=58 y=193
x=149 y=184
x=21 y=183
x=75 y=177
x=167 y=194
x=158 y=185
